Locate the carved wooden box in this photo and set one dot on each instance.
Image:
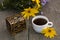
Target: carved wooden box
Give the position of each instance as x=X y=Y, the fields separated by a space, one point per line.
x=15 y=24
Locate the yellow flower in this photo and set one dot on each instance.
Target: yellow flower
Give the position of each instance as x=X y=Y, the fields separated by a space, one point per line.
x=37 y=2
x=49 y=32
x=29 y=12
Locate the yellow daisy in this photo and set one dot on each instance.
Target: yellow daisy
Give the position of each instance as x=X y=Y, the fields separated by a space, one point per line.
x=29 y=12
x=37 y=2
x=49 y=32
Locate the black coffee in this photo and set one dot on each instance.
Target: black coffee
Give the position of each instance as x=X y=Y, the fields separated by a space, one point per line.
x=40 y=21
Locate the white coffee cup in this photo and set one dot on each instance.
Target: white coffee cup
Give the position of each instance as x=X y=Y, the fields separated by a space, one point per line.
x=39 y=28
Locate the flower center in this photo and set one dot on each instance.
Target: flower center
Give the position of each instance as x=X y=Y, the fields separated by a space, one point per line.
x=49 y=30
x=28 y=11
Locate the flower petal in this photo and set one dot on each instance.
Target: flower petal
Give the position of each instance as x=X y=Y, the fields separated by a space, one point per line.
x=33 y=0
x=46 y=35
x=51 y=36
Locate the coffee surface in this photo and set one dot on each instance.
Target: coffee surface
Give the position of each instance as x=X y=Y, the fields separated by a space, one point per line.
x=40 y=21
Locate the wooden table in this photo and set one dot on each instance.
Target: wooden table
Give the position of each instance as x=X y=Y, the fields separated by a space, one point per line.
x=51 y=10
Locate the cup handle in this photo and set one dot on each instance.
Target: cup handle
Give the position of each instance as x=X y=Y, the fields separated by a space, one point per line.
x=50 y=24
